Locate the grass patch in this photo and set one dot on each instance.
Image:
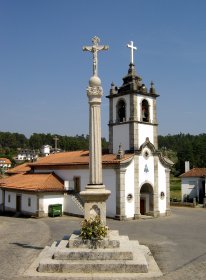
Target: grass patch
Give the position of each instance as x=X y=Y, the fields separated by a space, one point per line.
x=175 y=188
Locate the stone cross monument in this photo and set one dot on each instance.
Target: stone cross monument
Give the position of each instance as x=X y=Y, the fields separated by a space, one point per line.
x=95 y=194
x=56 y=139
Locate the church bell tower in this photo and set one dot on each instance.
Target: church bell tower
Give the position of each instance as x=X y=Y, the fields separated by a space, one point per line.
x=132 y=112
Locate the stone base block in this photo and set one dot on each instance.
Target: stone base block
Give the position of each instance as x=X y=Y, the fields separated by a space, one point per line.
x=127 y=261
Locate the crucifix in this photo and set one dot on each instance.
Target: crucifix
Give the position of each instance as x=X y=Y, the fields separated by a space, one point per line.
x=132 y=47
x=55 y=141
x=95 y=49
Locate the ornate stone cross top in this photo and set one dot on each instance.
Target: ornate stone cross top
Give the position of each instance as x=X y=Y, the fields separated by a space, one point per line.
x=132 y=47
x=95 y=49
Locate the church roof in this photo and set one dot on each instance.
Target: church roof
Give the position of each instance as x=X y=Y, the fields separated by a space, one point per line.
x=76 y=158
x=195 y=172
x=33 y=182
x=132 y=83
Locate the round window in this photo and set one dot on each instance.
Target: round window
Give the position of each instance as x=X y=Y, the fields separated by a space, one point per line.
x=162 y=195
x=129 y=197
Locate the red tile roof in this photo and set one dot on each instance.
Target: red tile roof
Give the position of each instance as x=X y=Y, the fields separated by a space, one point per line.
x=195 y=172
x=22 y=168
x=33 y=182
x=5 y=160
x=76 y=158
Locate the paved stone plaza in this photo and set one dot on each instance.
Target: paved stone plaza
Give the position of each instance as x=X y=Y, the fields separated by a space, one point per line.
x=177 y=242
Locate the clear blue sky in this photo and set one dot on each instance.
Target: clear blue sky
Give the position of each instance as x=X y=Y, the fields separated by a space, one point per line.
x=44 y=73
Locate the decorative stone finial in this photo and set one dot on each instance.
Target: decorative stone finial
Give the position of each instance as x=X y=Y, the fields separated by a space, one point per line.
x=112 y=89
x=143 y=88
x=120 y=153
x=152 y=88
x=94 y=81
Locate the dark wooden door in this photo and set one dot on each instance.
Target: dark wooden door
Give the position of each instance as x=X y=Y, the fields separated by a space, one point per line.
x=18 y=203
x=202 y=193
x=77 y=184
x=142 y=206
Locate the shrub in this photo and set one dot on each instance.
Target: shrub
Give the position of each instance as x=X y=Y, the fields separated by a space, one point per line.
x=93 y=229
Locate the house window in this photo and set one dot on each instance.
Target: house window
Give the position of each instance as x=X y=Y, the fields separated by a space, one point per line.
x=121 y=111
x=77 y=184
x=145 y=111
x=9 y=198
x=29 y=202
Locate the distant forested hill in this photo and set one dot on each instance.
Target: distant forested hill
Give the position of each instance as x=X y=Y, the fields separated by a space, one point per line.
x=179 y=148
x=10 y=142
x=185 y=147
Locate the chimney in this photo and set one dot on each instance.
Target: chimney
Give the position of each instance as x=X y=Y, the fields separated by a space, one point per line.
x=187 y=166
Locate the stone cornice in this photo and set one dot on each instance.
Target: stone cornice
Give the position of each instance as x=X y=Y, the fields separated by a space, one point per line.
x=132 y=121
x=132 y=92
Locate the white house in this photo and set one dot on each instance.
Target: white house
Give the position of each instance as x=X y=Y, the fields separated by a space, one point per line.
x=135 y=172
x=26 y=154
x=45 y=150
x=31 y=194
x=5 y=163
x=193 y=184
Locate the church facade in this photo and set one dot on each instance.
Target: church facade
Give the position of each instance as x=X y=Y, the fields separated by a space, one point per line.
x=133 y=126
x=135 y=172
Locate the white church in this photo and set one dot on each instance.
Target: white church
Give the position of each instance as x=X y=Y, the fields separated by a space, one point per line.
x=135 y=172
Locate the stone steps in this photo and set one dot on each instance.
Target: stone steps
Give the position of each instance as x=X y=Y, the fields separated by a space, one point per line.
x=86 y=254
x=128 y=260
x=55 y=266
x=117 y=254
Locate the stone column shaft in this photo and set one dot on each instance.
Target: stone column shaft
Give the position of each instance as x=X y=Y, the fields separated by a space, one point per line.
x=168 y=211
x=155 y=132
x=156 y=212
x=95 y=144
x=120 y=194
x=136 y=188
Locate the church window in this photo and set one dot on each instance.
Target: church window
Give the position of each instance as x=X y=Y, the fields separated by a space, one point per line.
x=121 y=111
x=145 y=111
x=129 y=197
x=29 y=201
x=146 y=154
x=162 y=195
x=9 y=198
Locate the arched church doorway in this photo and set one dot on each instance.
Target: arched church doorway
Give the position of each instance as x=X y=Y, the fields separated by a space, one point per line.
x=146 y=199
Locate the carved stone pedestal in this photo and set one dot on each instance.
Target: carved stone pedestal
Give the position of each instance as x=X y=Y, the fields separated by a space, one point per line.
x=95 y=197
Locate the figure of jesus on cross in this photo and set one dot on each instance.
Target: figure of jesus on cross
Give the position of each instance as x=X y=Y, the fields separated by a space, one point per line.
x=132 y=47
x=95 y=49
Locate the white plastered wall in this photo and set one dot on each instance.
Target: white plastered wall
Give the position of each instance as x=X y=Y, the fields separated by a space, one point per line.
x=12 y=204
x=120 y=136
x=24 y=203
x=189 y=186
x=1 y=196
x=70 y=207
x=52 y=199
x=146 y=177
x=161 y=187
x=129 y=189
x=109 y=180
x=144 y=131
